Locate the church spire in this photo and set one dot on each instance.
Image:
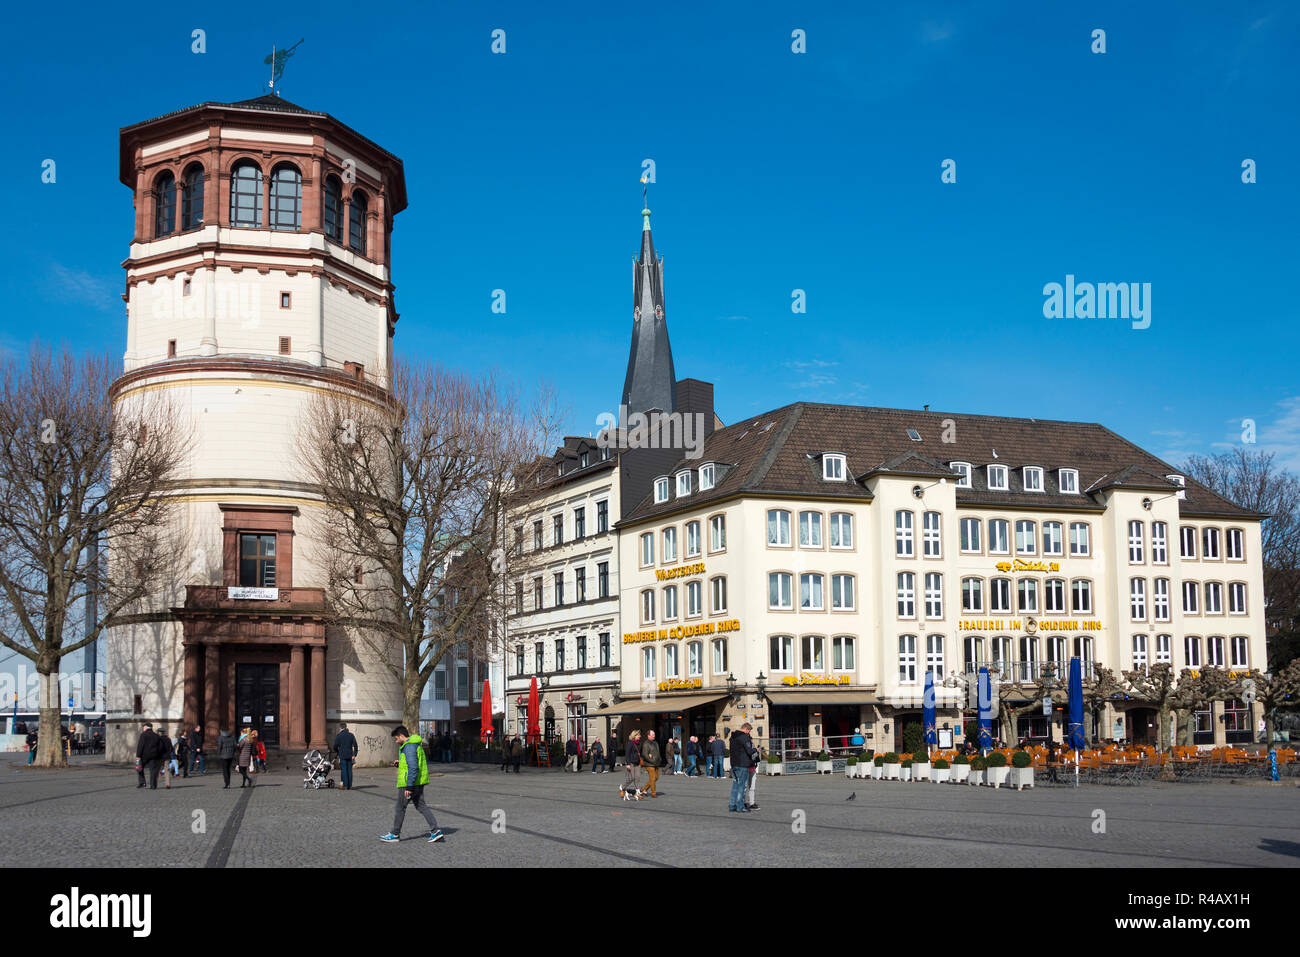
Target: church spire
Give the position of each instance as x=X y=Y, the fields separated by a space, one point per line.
x=651 y=381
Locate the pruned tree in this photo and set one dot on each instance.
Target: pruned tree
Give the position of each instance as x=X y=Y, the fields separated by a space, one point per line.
x=1277 y=689
x=1158 y=686
x=417 y=484
x=85 y=526
x=1197 y=689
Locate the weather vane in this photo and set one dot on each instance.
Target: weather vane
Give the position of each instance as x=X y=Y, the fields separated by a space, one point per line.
x=277 y=60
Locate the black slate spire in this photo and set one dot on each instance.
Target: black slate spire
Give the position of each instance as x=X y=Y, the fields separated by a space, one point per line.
x=651 y=381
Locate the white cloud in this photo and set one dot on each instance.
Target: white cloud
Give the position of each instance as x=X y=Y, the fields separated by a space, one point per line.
x=77 y=286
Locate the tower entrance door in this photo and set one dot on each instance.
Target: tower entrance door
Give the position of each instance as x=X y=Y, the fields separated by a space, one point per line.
x=257 y=701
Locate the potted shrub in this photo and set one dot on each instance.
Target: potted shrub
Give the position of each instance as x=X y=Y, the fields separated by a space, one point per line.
x=865 y=760
x=978 y=767
x=906 y=769
x=920 y=766
x=939 y=771
x=774 y=764
x=960 y=769
x=824 y=762
x=996 y=773
x=851 y=766
x=1022 y=770
x=878 y=766
x=891 y=766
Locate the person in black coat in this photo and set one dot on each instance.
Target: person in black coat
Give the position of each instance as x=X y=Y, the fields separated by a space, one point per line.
x=345 y=744
x=197 y=757
x=226 y=754
x=148 y=756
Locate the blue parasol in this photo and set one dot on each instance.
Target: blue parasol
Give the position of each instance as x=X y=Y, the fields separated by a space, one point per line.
x=927 y=710
x=985 y=703
x=1074 y=734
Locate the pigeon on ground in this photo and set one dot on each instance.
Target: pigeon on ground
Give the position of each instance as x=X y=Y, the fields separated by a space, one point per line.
x=852 y=796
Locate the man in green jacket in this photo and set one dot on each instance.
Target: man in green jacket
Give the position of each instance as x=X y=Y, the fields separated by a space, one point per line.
x=412 y=776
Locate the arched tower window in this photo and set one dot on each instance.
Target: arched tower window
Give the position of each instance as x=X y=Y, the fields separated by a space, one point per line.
x=286 y=197
x=333 y=209
x=164 y=206
x=192 y=198
x=246 y=195
x=357 y=222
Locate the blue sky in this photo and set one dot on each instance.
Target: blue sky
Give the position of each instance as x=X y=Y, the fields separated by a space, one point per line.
x=775 y=171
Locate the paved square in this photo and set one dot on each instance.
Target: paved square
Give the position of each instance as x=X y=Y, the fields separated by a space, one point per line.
x=94 y=816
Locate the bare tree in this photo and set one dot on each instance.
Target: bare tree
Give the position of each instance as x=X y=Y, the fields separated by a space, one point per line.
x=1158 y=686
x=1273 y=691
x=79 y=478
x=417 y=486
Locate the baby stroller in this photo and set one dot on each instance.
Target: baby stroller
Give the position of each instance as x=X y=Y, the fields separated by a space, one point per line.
x=318 y=768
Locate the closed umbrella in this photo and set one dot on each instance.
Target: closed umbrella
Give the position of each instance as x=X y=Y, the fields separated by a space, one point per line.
x=985 y=703
x=534 y=730
x=927 y=710
x=1074 y=735
x=485 y=716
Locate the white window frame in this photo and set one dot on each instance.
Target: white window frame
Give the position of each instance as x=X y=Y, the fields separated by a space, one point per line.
x=780 y=653
x=717 y=589
x=684 y=483
x=972 y=598
x=844 y=586
x=1237 y=536
x=776 y=528
x=1164 y=649
x=1214 y=598
x=1160 y=607
x=1139 y=653
x=1237 y=598
x=1053 y=542
x=1027 y=588
x=648 y=606
x=838 y=529
x=1239 y=643
x=718 y=650
x=707 y=473
x=1136 y=542
x=649 y=664
x=717 y=533
x=1077 y=607
x=694 y=599
x=906 y=590
x=1192 y=591
x=1005 y=541
x=1002 y=472
x=670 y=661
x=784 y=582
x=669 y=545
x=1187 y=536
x=907 y=670
x=647 y=549
x=1000 y=596
x=812 y=591
x=812 y=648
x=1159 y=543
x=1192 y=651
x=694 y=659
x=693 y=539
x=1035 y=473
x=933 y=596
x=661 y=489
x=1055 y=588
x=1210 y=535
x=904 y=537
x=834 y=467
x=932 y=534
x=1083 y=537
x=1068 y=481
x=934 y=657
x=1031 y=538
x=844 y=650
x=978 y=526
x=965 y=469
x=1216 y=651
x=813 y=527
x=1137 y=599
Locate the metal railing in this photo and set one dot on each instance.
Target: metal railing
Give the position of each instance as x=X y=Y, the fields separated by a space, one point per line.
x=806 y=748
x=1029 y=671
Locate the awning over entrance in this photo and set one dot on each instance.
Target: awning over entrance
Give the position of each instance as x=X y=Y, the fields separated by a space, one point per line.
x=822 y=697
x=660 y=704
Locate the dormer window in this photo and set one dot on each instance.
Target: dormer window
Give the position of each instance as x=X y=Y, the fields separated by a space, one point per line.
x=584 y=460
x=1033 y=476
x=833 y=467
x=1068 y=479
x=683 y=483
x=914 y=435
x=997 y=475
x=706 y=477
x=661 y=489
x=964 y=470
x=1181 y=483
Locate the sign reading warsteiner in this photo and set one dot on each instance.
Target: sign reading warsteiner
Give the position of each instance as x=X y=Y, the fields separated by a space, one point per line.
x=682 y=631
x=682 y=571
x=1016 y=624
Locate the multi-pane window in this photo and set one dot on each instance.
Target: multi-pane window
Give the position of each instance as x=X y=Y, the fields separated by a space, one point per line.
x=670 y=661
x=903 y=534
x=192 y=198
x=357 y=222
x=999 y=540
x=164 y=197
x=519 y=659
x=537 y=594
x=779 y=585
x=539 y=657
x=1236 y=545
x=719 y=656
x=1136 y=542
x=972 y=595
x=1056 y=654
x=670 y=545
x=694 y=599
x=933 y=543
x=604 y=649
x=810 y=529
x=648 y=606
x=559 y=654
x=580 y=584
x=1054 y=595
x=582 y=652
x=706 y=477
x=963 y=470
x=1240 y=651
x=934 y=656
x=841 y=530
x=1192 y=651
x=1139 y=652
x=579 y=523
x=717 y=533
x=814 y=653
x=537 y=535
x=1164 y=646
x=833 y=468
x=1213 y=598
x=648 y=549
x=778 y=527
x=1214 y=651
x=246 y=195
x=970 y=535
x=1029 y=661
x=998 y=478
x=559 y=588
x=1159 y=543
x=257 y=561
x=1026 y=536
x=648 y=663
x=1052 y=541
x=1079 y=542
x=692 y=539
x=1137 y=599
x=1068 y=479
x=670 y=603
x=602 y=580
x=1000 y=595
x=906 y=595
x=843 y=653
x=780 y=651
x=661 y=490
x=1081 y=596
x=333 y=209
x=1027 y=596
x=694 y=659
x=519 y=597
x=842 y=592
x=1160 y=599
x=1237 y=598
x=602 y=517
x=683 y=483
x=286 y=198
x=1000 y=654
x=811 y=592
x=1191 y=598
x=1187 y=541
x=1210 y=544
x=557 y=529
x=1033 y=478
x=972 y=653
x=933 y=595
x=718 y=594
x=907 y=659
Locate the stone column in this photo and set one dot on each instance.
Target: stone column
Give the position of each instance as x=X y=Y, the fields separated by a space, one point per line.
x=297 y=699
x=193 y=689
x=211 y=696
x=317 y=697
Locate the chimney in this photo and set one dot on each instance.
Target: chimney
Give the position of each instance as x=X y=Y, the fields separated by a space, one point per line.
x=696 y=396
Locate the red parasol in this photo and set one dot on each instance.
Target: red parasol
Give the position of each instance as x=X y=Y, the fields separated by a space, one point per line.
x=534 y=730
x=485 y=716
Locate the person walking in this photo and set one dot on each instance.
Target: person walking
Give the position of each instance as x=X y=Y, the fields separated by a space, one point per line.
x=672 y=760
x=717 y=751
x=31 y=751
x=756 y=755
x=516 y=753
x=741 y=761
x=412 y=778
x=650 y=760
x=345 y=746
x=148 y=756
x=631 y=786
x=692 y=755
x=260 y=752
x=181 y=746
x=444 y=745
x=505 y=753
x=571 y=753
x=226 y=754
x=197 y=757
x=247 y=751
x=597 y=757
x=168 y=757
x=611 y=750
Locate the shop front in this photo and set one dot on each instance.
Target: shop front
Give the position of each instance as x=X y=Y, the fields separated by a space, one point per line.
x=803 y=722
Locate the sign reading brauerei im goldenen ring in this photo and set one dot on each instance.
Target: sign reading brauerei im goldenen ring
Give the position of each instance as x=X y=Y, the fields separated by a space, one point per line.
x=682 y=631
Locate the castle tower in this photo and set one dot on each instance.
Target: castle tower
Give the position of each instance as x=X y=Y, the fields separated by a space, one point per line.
x=651 y=382
x=258 y=278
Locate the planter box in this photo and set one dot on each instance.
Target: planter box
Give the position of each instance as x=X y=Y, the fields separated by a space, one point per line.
x=905 y=773
x=775 y=768
x=960 y=772
x=975 y=777
x=1021 y=778
x=850 y=770
x=825 y=767
x=891 y=772
x=920 y=772
x=877 y=771
x=996 y=776
x=940 y=775
x=864 y=770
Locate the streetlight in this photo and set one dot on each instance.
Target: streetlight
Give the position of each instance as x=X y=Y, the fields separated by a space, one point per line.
x=761 y=684
x=731 y=686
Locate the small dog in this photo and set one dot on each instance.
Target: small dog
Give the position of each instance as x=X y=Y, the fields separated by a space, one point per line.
x=629 y=795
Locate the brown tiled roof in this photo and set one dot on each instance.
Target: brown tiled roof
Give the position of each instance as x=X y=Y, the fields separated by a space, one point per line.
x=778 y=453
